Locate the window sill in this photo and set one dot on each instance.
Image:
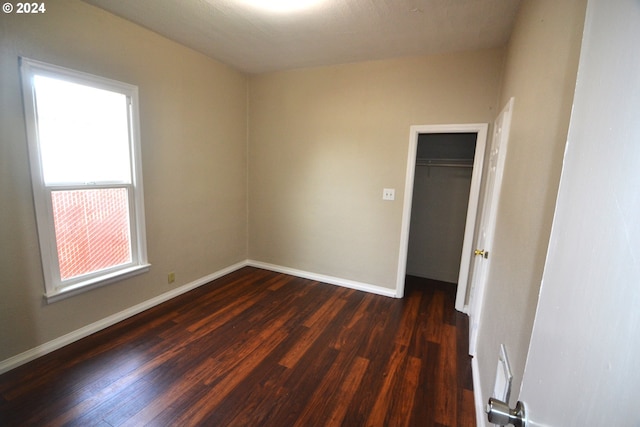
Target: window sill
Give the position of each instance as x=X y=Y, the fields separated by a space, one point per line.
x=94 y=283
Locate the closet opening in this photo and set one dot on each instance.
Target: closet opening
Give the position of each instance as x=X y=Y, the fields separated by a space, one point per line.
x=444 y=171
x=442 y=180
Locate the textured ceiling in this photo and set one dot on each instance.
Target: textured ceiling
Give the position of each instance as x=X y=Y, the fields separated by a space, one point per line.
x=335 y=31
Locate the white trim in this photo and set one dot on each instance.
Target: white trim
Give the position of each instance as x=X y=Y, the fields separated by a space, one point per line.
x=481 y=416
x=96 y=282
x=472 y=214
x=345 y=283
x=472 y=206
x=48 y=347
x=406 y=212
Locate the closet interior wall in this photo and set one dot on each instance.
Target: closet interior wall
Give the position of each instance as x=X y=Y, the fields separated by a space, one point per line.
x=440 y=196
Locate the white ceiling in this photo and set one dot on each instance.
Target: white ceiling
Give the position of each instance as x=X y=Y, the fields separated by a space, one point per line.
x=336 y=31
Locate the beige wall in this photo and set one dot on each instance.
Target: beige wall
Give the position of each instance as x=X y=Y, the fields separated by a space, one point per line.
x=540 y=72
x=324 y=142
x=193 y=128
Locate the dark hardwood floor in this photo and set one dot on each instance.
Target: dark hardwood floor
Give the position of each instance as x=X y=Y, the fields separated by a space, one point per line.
x=258 y=348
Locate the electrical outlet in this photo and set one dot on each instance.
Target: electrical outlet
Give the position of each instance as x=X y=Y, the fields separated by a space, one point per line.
x=388 y=194
x=171 y=277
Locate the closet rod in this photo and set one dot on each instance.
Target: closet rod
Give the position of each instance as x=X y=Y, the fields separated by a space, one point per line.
x=444 y=164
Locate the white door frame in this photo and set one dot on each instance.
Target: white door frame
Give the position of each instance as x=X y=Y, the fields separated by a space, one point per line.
x=472 y=207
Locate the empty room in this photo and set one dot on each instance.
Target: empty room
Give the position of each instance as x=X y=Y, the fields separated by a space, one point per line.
x=319 y=213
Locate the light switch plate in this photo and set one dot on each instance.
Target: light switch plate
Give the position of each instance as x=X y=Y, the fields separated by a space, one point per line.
x=388 y=194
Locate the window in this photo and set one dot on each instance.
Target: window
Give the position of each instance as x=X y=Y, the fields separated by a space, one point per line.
x=82 y=132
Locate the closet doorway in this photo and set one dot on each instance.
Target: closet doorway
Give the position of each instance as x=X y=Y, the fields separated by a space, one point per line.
x=444 y=170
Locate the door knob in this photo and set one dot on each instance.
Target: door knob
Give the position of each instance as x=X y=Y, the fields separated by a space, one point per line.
x=499 y=413
x=481 y=252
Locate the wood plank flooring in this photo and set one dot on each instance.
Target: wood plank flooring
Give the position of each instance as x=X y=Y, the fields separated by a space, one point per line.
x=258 y=348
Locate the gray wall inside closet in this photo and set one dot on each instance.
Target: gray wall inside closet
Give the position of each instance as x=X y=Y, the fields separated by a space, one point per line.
x=439 y=208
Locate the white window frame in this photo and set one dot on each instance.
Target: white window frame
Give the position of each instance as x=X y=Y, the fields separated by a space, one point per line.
x=55 y=288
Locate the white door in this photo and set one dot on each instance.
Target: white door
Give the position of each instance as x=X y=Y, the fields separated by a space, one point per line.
x=583 y=365
x=482 y=251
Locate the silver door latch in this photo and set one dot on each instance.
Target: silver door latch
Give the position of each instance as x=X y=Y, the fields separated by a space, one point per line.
x=499 y=413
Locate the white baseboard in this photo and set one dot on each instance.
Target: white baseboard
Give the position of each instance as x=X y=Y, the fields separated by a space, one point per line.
x=481 y=416
x=351 y=284
x=48 y=347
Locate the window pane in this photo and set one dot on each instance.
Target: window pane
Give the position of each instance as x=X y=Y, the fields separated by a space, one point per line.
x=92 y=230
x=83 y=133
